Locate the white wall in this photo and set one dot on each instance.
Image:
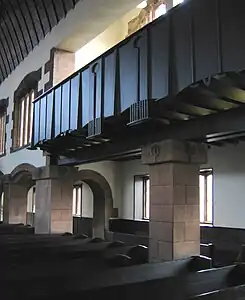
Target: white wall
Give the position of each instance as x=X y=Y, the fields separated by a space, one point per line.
x=112 y=173
x=229 y=185
x=114 y=34
x=87 y=201
x=129 y=170
x=87 y=20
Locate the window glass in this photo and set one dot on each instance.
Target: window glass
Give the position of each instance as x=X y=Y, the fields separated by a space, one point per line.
x=2 y=133
x=206 y=196
x=141 y=197
x=24 y=118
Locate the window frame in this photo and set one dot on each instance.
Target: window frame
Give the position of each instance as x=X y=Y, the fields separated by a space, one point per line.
x=76 y=202
x=26 y=86
x=23 y=110
x=205 y=172
x=3 y=123
x=144 y=178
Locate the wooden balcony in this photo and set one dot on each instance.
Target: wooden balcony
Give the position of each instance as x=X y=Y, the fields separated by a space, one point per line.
x=186 y=65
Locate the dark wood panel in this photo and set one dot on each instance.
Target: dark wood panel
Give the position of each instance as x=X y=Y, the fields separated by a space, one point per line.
x=49 y=115
x=36 y=125
x=43 y=109
x=85 y=97
x=95 y=86
x=109 y=84
x=232 y=23
x=133 y=70
x=160 y=60
x=65 y=107
x=206 y=40
x=75 y=88
x=57 y=112
x=182 y=68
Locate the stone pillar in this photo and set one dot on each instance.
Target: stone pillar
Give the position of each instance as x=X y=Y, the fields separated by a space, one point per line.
x=15 y=202
x=54 y=187
x=174 y=199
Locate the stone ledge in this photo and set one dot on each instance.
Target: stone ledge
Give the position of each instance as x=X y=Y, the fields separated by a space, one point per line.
x=174 y=151
x=53 y=172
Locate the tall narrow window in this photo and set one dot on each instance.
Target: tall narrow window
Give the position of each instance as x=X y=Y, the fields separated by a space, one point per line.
x=77 y=201
x=1 y=206
x=2 y=133
x=31 y=200
x=24 y=119
x=206 y=196
x=141 y=197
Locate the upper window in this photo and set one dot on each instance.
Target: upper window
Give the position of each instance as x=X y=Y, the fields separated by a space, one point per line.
x=206 y=196
x=141 y=197
x=24 y=119
x=23 y=109
x=2 y=133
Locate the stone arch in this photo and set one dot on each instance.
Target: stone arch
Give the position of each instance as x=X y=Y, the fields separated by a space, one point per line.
x=29 y=82
x=22 y=170
x=16 y=187
x=103 y=199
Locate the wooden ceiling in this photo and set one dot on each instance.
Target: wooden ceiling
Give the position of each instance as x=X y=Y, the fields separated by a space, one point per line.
x=23 y=24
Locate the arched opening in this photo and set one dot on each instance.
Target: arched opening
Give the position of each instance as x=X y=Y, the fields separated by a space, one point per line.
x=92 y=203
x=19 y=192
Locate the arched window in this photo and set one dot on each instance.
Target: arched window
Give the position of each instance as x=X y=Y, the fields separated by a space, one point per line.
x=25 y=119
x=3 y=114
x=23 y=109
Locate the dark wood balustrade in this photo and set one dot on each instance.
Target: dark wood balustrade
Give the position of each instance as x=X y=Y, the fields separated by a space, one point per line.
x=166 y=73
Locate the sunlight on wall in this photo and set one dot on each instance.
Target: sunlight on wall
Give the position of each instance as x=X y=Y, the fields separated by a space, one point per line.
x=106 y=40
x=143 y=4
x=176 y=2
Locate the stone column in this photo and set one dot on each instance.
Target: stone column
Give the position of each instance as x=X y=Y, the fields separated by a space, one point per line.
x=174 y=199
x=15 y=202
x=54 y=187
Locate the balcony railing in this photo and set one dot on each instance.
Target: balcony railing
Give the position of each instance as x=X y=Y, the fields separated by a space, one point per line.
x=187 y=45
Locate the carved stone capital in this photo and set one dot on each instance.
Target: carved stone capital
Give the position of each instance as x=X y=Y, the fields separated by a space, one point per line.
x=174 y=151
